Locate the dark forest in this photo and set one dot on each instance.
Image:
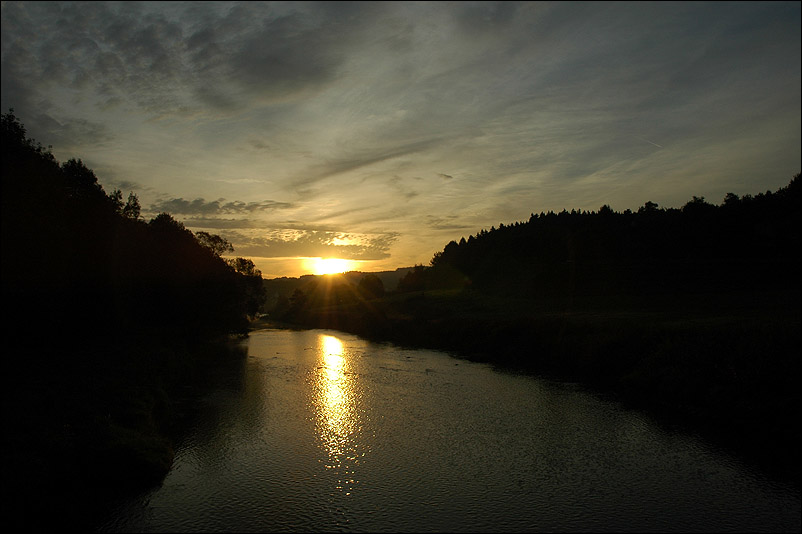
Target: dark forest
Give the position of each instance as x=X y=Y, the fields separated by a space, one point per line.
x=106 y=319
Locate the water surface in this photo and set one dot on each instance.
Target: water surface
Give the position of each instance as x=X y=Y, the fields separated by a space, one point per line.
x=323 y=431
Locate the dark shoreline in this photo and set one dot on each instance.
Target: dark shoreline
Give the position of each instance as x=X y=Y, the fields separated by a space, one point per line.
x=98 y=423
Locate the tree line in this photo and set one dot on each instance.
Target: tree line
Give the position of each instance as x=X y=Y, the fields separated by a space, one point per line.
x=744 y=242
x=85 y=259
x=747 y=244
x=107 y=319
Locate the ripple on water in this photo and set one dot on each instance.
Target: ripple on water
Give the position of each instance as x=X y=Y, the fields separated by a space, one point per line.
x=327 y=432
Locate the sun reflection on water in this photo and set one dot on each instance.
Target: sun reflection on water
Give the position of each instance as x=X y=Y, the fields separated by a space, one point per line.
x=336 y=418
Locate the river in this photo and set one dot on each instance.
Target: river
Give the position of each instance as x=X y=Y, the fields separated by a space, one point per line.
x=319 y=430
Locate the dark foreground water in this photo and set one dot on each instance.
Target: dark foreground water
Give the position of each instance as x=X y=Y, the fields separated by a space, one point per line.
x=323 y=431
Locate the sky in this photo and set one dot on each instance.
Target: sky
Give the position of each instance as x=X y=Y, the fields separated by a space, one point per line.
x=377 y=132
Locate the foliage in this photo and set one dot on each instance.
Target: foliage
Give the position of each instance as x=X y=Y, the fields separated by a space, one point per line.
x=745 y=242
x=132 y=209
x=414 y=280
x=104 y=310
x=371 y=286
x=250 y=284
x=215 y=243
x=71 y=249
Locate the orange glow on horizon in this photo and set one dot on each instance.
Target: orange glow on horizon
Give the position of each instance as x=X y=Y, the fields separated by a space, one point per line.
x=329 y=265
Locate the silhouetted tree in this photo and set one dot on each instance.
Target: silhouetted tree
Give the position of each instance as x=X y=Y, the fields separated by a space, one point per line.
x=414 y=280
x=371 y=286
x=132 y=209
x=164 y=222
x=244 y=266
x=216 y=244
x=81 y=181
x=298 y=301
x=731 y=200
x=116 y=198
x=125 y=301
x=250 y=282
x=697 y=248
x=649 y=207
x=698 y=206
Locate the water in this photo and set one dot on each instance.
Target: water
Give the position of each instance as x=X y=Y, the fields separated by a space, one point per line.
x=323 y=431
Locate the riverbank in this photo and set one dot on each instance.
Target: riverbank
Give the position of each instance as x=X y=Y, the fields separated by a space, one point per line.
x=724 y=366
x=92 y=418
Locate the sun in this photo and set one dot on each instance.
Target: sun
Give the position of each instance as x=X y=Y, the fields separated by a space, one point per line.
x=329 y=265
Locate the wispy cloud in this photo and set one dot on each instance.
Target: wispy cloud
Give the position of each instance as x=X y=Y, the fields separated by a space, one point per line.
x=333 y=167
x=306 y=243
x=447 y=222
x=650 y=142
x=200 y=206
x=419 y=121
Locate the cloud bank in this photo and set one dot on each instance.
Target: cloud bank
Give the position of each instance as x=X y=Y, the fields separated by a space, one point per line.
x=418 y=122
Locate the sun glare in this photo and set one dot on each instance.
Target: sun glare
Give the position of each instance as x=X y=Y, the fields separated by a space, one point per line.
x=330 y=265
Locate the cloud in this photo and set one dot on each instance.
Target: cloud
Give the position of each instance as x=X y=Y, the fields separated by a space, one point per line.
x=259 y=144
x=217 y=223
x=400 y=185
x=313 y=243
x=72 y=134
x=172 y=59
x=357 y=160
x=486 y=16
x=199 y=206
x=447 y=222
x=340 y=108
x=125 y=185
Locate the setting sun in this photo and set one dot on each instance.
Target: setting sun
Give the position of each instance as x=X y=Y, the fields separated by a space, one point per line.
x=329 y=265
